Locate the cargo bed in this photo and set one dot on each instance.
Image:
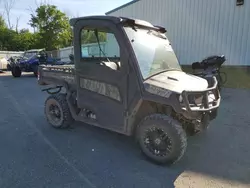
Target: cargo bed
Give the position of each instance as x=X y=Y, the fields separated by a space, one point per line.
x=56 y=74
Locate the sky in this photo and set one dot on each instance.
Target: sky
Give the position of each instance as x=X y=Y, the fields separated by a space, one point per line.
x=72 y=8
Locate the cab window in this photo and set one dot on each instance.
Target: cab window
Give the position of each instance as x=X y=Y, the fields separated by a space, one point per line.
x=100 y=46
x=96 y=43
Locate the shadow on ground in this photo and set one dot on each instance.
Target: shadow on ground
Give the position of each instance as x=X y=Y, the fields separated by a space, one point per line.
x=24 y=74
x=222 y=152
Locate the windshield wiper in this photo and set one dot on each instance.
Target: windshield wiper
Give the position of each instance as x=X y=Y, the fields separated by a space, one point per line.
x=166 y=70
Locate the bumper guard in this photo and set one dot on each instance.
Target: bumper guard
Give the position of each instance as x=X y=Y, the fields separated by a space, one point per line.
x=206 y=104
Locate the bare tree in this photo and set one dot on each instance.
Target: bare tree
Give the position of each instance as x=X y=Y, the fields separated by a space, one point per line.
x=43 y=2
x=32 y=12
x=77 y=14
x=17 y=22
x=70 y=14
x=8 y=6
x=38 y=4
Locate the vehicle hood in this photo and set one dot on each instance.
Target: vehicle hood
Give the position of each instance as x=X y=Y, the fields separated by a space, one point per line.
x=30 y=60
x=22 y=61
x=175 y=81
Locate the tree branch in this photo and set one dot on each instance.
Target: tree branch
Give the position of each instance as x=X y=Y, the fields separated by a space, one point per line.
x=8 y=6
x=17 y=22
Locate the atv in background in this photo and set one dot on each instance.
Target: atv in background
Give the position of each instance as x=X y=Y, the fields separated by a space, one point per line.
x=210 y=67
x=29 y=62
x=12 y=60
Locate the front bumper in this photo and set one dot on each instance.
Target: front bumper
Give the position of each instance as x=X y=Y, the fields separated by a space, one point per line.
x=206 y=105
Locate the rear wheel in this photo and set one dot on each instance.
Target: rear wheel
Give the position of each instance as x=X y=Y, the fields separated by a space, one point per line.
x=35 y=70
x=162 y=139
x=57 y=111
x=16 y=72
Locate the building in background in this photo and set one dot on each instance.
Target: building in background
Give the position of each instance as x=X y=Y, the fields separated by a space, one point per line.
x=198 y=28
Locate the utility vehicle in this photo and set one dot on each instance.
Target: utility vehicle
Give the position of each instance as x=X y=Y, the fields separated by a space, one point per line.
x=29 y=62
x=209 y=67
x=12 y=61
x=129 y=81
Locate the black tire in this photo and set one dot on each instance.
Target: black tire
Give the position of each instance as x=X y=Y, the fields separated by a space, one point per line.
x=65 y=118
x=223 y=78
x=8 y=67
x=35 y=70
x=16 y=72
x=173 y=133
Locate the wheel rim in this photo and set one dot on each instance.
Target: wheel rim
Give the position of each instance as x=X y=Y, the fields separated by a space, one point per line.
x=157 y=142
x=54 y=114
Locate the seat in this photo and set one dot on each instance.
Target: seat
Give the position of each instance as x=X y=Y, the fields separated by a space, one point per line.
x=112 y=65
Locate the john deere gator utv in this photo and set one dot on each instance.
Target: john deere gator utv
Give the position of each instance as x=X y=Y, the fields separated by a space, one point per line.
x=126 y=78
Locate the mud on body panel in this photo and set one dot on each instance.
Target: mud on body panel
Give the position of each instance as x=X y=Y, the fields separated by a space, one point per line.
x=101 y=88
x=157 y=90
x=67 y=77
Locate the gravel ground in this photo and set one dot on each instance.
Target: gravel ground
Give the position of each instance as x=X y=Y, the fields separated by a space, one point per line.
x=35 y=155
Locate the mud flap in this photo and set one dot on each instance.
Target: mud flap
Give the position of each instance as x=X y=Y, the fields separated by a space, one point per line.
x=213 y=114
x=205 y=121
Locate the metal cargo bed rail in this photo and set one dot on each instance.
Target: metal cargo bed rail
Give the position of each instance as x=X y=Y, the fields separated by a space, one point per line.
x=60 y=68
x=54 y=74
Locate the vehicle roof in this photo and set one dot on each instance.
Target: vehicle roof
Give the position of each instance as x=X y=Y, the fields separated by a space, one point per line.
x=34 y=50
x=98 y=17
x=117 y=20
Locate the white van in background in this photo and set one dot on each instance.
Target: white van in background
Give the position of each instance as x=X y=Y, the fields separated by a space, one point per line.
x=3 y=63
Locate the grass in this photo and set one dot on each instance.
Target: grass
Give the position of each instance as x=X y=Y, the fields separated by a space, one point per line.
x=237 y=77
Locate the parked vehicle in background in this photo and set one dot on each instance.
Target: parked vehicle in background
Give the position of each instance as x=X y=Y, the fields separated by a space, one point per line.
x=210 y=67
x=3 y=63
x=29 y=62
x=12 y=60
x=133 y=86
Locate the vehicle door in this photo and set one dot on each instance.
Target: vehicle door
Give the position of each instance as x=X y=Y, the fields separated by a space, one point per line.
x=101 y=62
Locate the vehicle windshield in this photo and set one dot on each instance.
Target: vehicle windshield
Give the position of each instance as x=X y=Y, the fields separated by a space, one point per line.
x=153 y=51
x=28 y=55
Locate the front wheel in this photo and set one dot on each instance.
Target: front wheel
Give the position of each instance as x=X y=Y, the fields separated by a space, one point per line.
x=57 y=111
x=162 y=139
x=35 y=70
x=16 y=72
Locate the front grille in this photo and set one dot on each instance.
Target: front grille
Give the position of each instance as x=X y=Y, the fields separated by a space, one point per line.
x=203 y=100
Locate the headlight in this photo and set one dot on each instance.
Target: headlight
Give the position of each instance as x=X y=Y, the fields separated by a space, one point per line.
x=211 y=97
x=195 y=99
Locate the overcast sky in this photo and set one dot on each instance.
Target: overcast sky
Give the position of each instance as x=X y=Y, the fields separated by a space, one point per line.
x=71 y=7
